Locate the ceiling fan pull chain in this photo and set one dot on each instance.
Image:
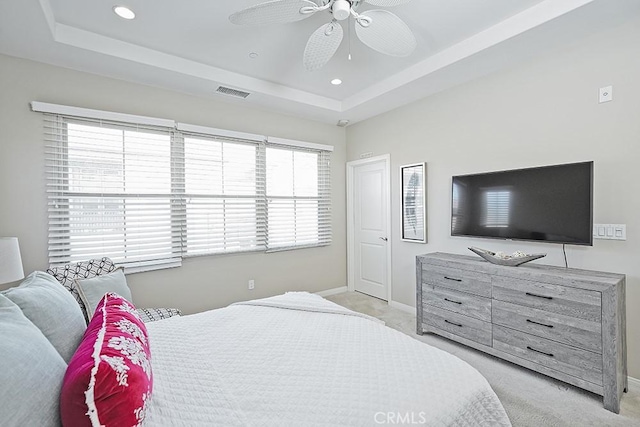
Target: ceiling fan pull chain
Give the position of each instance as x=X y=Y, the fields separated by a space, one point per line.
x=349 y=39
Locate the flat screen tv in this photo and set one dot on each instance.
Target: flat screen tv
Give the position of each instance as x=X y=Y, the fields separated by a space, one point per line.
x=549 y=204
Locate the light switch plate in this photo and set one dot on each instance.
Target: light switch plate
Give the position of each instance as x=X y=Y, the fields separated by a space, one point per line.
x=606 y=94
x=610 y=231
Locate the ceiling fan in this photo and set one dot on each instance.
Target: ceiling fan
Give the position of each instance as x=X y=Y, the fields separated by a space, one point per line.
x=379 y=29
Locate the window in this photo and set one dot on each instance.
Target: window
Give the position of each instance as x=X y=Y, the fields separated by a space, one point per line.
x=147 y=196
x=223 y=196
x=110 y=194
x=298 y=203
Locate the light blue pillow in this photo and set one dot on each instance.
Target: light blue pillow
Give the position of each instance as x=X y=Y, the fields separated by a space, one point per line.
x=32 y=372
x=92 y=290
x=52 y=309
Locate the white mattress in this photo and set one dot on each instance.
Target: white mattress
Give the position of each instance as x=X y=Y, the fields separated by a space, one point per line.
x=299 y=360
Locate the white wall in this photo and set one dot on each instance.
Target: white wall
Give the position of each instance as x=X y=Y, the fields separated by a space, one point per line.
x=539 y=113
x=201 y=283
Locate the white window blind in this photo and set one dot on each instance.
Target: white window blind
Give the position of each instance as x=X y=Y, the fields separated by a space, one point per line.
x=147 y=195
x=110 y=193
x=224 y=195
x=298 y=193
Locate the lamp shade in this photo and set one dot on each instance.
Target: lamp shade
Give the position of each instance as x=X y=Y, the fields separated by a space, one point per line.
x=10 y=260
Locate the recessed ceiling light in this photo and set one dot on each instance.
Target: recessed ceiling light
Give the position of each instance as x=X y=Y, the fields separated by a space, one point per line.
x=124 y=12
x=253 y=55
x=336 y=82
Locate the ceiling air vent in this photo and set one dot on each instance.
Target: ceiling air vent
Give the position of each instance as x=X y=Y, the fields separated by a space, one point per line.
x=232 y=92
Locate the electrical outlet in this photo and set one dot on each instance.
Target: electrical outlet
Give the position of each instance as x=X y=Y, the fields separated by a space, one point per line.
x=252 y=284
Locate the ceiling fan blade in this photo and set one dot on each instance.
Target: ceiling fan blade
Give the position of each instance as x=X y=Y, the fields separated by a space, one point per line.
x=322 y=45
x=387 y=3
x=386 y=33
x=274 y=12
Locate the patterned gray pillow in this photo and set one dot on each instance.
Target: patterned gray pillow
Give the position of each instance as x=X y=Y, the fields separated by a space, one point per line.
x=67 y=275
x=154 y=314
x=32 y=371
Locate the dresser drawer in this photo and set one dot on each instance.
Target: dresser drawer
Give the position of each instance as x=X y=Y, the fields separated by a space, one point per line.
x=579 y=303
x=458 y=302
x=582 y=364
x=557 y=327
x=460 y=280
x=464 y=326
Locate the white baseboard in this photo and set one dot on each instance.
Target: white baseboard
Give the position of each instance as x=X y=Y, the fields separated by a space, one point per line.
x=404 y=307
x=333 y=291
x=634 y=384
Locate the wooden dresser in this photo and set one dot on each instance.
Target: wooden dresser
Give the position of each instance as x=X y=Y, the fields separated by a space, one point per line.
x=566 y=323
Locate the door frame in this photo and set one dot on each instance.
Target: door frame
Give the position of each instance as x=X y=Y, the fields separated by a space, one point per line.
x=350 y=219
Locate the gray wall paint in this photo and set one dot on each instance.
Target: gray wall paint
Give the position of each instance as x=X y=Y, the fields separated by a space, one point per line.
x=539 y=113
x=543 y=112
x=201 y=283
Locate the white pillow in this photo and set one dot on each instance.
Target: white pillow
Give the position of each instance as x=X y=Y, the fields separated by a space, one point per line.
x=52 y=309
x=92 y=290
x=31 y=374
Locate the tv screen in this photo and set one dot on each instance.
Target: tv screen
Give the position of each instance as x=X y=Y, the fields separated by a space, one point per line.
x=550 y=204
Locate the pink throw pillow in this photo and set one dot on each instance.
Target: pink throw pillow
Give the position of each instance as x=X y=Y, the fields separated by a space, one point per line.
x=109 y=380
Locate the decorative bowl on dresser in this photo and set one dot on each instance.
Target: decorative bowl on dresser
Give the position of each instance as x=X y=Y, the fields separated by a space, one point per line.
x=566 y=323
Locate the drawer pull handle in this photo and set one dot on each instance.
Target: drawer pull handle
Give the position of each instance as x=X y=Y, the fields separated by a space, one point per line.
x=538 y=296
x=456 y=324
x=538 y=323
x=450 y=300
x=538 y=351
x=451 y=278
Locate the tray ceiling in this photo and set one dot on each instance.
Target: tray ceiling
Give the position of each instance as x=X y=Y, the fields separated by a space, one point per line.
x=191 y=46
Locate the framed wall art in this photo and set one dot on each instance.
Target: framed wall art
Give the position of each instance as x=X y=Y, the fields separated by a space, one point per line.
x=414 y=209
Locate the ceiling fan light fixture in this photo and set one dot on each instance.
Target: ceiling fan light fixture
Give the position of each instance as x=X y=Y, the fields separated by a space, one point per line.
x=124 y=12
x=378 y=29
x=341 y=9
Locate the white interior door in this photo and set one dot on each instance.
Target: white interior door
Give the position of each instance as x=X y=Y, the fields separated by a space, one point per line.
x=370 y=231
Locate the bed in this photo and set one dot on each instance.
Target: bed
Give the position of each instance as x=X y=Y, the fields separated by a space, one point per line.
x=299 y=360
x=289 y=360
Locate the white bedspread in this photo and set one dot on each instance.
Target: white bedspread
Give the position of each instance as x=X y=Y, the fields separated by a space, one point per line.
x=299 y=360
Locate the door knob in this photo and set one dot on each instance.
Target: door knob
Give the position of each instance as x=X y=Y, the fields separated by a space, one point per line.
x=383 y=238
